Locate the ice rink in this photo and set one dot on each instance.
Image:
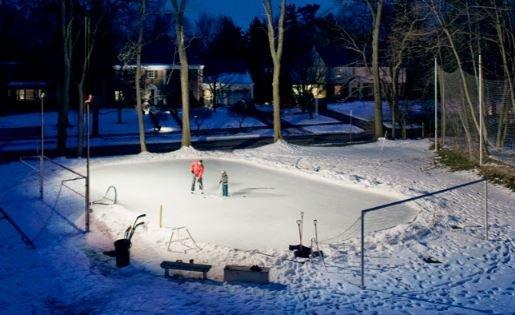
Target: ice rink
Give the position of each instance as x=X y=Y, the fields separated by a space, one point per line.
x=262 y=209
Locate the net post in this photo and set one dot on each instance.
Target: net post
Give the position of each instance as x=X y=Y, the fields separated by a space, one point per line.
x=161 y=216
x=481 y=144
x=87 y=204
x=486 y=209
x=362 y=250
x=42 y=156
x=436 y=105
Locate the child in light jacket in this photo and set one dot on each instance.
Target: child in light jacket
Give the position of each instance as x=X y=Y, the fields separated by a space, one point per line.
x=224 y=181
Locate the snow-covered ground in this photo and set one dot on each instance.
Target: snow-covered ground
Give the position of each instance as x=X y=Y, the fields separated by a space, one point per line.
x=222 y=118
x=365 y=109
x=69 y=274
x=295 y=116
x=108 y=123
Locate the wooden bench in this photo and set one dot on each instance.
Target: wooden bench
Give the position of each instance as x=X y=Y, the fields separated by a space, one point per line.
x=177 y=265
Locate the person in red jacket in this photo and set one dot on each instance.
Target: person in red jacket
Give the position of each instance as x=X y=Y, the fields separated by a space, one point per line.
x=197 y=169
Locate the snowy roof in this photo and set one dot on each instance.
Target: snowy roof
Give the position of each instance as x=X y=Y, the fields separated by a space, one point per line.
x=27 y=84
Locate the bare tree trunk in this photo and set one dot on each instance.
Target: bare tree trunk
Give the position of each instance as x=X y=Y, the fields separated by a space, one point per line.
x=443 y=124
x=502 y=120
x=88 y=48
x=66 y=32
x=276 y=50
x=137 y=79
x=376 y=12
x=459 y=63
x=468 y=136
x=179 y=8
x=500 y=28
x=394 y=98
x=80 y=117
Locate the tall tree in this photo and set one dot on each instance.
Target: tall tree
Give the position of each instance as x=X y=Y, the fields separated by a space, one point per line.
x=93 y=18
x=137 y=79
x=66 y=26
x=179 y=6
x=376 y=9
x=258 y=59
x=405 y=23
x=223 y=53
x=276 y=51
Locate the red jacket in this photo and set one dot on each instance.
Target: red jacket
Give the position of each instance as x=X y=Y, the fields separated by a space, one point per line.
x=197 y=169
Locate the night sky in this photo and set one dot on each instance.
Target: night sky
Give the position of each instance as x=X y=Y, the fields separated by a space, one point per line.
x=243 y=11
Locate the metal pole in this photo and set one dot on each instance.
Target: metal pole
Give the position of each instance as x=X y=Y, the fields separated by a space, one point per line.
x=161 y=216
x=362 y=250
x=486 y=210
x=436 y=105
x=350 y=127
x=480 y=113
x=87 y=168
x=41 y=158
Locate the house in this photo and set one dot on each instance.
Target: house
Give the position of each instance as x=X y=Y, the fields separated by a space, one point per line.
x=160 y=77
x=227 y=89
x=345 y=75
x=20 y=91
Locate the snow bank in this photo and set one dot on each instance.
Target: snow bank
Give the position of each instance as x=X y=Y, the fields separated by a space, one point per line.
x=69 y=274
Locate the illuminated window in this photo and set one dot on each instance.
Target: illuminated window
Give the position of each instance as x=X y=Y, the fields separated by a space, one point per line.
x=151 y=74
x=27 y=94
x=118 y=95
x=20 y=95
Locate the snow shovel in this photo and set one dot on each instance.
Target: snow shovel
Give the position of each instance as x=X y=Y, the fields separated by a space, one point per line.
x=318 y=252
x=296 y=247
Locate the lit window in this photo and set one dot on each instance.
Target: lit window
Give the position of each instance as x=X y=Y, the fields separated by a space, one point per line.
x=118 y=95
x=20 y=95
x=151 y=74
x=29 y=95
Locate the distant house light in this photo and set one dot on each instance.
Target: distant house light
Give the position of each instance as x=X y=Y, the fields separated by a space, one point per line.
x=20 y=95
x=158 y=66
x=27 y=94
x=118 y=95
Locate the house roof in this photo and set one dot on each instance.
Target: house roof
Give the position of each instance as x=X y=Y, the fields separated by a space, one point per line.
x=27 y=84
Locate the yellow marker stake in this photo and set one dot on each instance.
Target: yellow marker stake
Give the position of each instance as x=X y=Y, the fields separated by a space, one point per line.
x=161 y=216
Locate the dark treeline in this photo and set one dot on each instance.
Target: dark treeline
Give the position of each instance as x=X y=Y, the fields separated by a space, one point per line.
x=74 y=44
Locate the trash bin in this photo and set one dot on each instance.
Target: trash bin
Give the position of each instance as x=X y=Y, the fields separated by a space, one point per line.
x=122 y=252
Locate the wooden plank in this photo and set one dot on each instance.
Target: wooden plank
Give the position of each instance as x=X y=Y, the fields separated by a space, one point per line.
x=185 y=266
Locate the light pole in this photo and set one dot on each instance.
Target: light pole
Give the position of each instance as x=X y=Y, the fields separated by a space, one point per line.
x=42 y=156
x=88 y=103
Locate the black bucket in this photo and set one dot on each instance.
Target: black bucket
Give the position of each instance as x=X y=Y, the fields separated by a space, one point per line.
x=122 y=252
